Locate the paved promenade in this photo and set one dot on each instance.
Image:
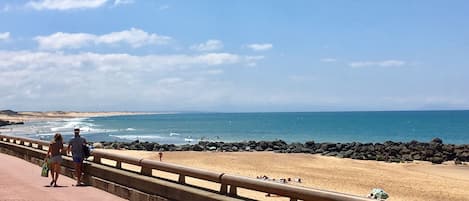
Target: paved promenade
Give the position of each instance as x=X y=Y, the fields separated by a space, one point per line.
x=21 y=180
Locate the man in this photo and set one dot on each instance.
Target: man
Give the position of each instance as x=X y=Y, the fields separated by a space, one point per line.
x=76 y=146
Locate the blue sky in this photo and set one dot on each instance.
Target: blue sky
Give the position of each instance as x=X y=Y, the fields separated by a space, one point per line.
x=103 y=55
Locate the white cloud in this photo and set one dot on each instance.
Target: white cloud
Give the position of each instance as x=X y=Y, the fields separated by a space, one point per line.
x=133 y=37
x=260 y=47
x=328 y=60
x=214 y=72
x=164 y=7
x=65 y=4
x=210 y=45
x=81 y=80
x=386 y=63
x=11 y=60
x=252 y=60
x=122 y=2
x=6 y=8
x=61 y=40
x=4 y=36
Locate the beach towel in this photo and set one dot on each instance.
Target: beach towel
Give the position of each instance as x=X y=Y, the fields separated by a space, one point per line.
x=45 y=168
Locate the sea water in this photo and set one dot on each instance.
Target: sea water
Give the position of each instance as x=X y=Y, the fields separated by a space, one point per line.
x=181 y=128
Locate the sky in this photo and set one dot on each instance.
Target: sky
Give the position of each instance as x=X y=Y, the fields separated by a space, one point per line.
x=233 y=56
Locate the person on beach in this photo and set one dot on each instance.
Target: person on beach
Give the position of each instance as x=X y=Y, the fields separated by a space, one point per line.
x=160 y=154
x=75 y=145
x=54 y=152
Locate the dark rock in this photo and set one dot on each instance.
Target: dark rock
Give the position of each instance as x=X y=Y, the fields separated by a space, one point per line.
x=309 y=144
x=380 y=158
x=259 y=148
x=197 y=147
x=437 y=140
x=212 y=144
x=407 y=157
x=263 y=145
x=305 y=150
x=332 y=154
x=394 y=160
x=9 y=112
x=437 y=160
x=4 y=123
x=348 y=153
x=234 y=148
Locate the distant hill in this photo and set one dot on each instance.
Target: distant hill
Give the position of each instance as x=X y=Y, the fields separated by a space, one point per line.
x=8 y=112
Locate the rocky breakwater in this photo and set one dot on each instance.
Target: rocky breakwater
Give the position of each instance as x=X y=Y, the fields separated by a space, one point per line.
x=8 y=113
x=6 y=123
x=434 y=151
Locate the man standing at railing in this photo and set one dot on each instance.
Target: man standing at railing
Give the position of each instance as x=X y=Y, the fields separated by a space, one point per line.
x=76 y=146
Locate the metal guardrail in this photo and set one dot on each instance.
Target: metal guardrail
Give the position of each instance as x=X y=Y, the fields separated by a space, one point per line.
x=229 y=183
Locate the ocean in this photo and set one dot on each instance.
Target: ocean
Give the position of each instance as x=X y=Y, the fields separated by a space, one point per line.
x=181 y=128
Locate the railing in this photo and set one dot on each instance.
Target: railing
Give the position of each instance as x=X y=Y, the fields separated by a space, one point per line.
x=229 y=183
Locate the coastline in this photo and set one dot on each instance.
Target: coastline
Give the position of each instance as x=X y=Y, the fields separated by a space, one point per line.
x=417 y=181
x=12 y=116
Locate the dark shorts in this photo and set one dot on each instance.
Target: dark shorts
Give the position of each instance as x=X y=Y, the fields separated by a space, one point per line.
x=77 y=159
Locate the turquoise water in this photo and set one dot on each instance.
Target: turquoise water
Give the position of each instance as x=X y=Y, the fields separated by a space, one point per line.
x=451 y=126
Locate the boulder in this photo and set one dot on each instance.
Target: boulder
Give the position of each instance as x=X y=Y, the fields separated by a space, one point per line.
x=437 y=160
x=212 y=148
x=437 y=140
x=259 y=148
x=234 y=148
x=309 y=144
x=197 y=147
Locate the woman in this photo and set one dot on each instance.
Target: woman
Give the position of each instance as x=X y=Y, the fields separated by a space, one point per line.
x=55 y=150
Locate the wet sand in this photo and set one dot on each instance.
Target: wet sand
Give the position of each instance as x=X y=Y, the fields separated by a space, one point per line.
x=417 y=181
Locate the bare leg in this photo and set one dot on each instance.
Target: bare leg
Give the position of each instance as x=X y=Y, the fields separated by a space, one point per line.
x=52 y=165
x=57 y=171
x=78 y=172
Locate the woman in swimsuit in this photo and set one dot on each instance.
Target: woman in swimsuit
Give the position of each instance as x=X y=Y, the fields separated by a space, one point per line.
x=55 y=150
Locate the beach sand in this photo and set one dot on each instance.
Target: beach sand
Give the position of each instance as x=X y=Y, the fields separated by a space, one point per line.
x=416 y=181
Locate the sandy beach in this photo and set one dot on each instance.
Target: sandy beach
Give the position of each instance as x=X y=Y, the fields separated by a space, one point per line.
x=416 y=181
x=42 y=116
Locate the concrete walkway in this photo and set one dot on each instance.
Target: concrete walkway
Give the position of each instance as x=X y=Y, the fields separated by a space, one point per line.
x=21 y=180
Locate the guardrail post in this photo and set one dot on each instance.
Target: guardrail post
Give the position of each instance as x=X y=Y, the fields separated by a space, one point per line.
x=224 y=189
x=21 y=142
x=119 y=164
x=97 y=159
x=146 y=171
x=233 y=191
x=182 y=179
